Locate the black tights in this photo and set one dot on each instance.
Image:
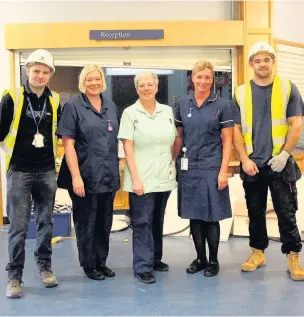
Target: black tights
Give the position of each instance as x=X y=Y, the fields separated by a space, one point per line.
x=202 y=231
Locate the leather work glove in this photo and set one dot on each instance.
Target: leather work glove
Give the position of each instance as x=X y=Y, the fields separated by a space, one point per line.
x=278 y=162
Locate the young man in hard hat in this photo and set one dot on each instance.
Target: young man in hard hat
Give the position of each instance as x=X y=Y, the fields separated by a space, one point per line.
x=29 y=117
x=268 y=125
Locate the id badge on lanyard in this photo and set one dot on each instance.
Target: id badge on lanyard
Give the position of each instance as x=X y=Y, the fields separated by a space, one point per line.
x=38 y=140
x=184 y=160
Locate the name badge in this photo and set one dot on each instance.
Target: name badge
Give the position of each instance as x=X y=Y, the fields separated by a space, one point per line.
x=184 y=164
x=38 y=140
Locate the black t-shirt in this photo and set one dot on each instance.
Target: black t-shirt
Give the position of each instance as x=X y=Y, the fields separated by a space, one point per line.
x=26 y=157
x=262 y=134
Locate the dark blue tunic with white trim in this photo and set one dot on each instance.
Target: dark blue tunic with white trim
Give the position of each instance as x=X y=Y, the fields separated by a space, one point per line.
x=198 y=194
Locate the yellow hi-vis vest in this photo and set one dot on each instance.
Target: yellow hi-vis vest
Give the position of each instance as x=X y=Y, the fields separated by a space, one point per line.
x=8 y=143
x=279 y=101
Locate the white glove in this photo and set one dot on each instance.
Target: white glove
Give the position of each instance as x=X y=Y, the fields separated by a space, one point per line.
x=278 y=162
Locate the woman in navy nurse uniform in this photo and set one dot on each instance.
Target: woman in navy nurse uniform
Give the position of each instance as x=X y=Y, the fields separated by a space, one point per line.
x=90 y=171
x=205 y=130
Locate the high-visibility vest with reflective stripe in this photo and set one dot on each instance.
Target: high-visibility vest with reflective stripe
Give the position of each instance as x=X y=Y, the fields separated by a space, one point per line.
x=8 y=143
x=279 y=100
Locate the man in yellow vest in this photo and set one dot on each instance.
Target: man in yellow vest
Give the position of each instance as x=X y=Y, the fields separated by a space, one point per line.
x=28 y=122
x=268 y=124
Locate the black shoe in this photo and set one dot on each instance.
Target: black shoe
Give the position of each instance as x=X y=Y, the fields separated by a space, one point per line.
x=146 y=277
x=161 y=266
x=94 y=274
x=196 y=266
x=107 y=272
x=212 y=269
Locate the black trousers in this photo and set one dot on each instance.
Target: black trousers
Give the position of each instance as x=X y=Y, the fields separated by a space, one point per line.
x=147 y=215
x=284 y=197
x=93 y=217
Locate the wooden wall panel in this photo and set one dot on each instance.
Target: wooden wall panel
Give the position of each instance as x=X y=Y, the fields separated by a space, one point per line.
x=257 y=14
x=258 y=20
x=69 y=35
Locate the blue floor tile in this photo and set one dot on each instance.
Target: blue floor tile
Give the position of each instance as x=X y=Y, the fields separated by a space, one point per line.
x=267 y=291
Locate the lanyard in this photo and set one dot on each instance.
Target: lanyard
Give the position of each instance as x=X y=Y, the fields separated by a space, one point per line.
x=32 y=111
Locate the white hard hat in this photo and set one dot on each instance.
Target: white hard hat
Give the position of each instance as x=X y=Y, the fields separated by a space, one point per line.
x=260 y=47
x=41 y=56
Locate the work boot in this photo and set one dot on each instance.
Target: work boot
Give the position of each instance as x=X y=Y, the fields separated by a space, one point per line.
x=256 y=259
x=48 y=279
x=13 y=288
x=294 y=266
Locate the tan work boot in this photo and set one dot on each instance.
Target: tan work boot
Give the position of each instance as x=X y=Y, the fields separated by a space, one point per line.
x=256 y=259
x=13 y=288
x=294 y=266
x=48 y=279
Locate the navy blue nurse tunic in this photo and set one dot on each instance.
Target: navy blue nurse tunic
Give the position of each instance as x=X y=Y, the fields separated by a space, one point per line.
x=96 y=147
x=198 y=194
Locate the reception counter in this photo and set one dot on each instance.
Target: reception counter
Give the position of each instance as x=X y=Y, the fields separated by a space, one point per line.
x=122 y=198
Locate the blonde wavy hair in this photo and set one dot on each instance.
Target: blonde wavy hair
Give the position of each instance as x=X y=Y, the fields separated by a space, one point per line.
x=84 y=73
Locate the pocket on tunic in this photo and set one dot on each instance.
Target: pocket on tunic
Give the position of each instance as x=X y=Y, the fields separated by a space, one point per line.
x=214 y=124
x=194 y=192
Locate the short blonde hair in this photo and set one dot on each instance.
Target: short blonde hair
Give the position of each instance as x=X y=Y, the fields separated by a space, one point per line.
x=146 y=74
x=84 y=73
x=201 y=65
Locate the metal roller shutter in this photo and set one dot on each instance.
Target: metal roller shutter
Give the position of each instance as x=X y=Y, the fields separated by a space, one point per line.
x=290 y=65
x=138 y=57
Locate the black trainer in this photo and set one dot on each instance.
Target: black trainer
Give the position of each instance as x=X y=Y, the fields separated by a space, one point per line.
x=196 y=266
x=146 y=277
x=212 y=269
x=93 y=274
x=107 y=272
x=161 y=267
